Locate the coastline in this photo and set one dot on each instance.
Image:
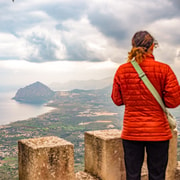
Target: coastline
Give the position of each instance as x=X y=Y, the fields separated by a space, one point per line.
x=69 y=118
x=46 y=105
x=54 y=109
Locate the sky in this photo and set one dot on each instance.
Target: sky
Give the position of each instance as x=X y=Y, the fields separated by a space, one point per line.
x=63 y=40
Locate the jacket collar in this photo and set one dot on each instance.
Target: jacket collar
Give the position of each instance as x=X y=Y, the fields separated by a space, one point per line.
x=150 y=57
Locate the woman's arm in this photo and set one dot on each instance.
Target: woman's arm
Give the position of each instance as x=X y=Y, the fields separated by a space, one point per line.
x=171 y=94
x=116 y=92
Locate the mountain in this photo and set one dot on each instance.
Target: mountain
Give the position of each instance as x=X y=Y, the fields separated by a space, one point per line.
x=38 y=93
x=35 y=93
x=86 y=84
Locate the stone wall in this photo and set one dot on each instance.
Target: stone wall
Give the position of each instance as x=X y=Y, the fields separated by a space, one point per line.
x=52 y=158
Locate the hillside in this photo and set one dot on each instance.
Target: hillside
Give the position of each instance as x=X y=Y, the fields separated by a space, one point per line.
x=34 y=93
x=75 y=112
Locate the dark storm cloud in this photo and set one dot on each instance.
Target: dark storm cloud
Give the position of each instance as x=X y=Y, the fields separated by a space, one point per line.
x=130 y=18
x=176 y=3
x=108 y=25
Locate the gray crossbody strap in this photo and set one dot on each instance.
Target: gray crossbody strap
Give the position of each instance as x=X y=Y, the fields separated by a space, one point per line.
x=148 y=84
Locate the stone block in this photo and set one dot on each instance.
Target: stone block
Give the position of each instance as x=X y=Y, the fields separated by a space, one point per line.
x=104 y=156
x=85 y=176
x=46 y=158
x=177 y=175
x=172 y=159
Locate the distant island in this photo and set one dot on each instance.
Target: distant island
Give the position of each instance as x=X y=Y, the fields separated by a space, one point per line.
x=35 y=93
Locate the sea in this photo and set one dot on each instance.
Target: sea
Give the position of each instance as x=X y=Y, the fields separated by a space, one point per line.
x=11 y=110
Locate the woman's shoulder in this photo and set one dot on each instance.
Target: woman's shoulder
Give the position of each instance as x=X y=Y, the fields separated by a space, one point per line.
x=124 y=66
x=163 y=66
x=156 y=64
x=160 y=63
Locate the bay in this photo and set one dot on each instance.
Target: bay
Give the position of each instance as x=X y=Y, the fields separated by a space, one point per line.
x=11 y=110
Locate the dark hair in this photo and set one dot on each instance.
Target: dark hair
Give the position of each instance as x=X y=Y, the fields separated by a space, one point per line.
x=141 y=42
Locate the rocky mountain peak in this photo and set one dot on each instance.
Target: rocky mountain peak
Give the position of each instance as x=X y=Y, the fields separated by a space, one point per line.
x=34 y=93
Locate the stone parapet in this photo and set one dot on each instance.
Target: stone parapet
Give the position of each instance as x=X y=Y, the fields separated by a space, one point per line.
x=172 y=159
x=52 y=158
x=46 y=158
x=104 y=155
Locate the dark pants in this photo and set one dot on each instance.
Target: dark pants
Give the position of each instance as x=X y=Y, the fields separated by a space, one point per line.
x=157 y=157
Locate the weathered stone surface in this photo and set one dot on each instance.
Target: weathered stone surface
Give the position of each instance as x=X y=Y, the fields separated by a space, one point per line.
x=177 y=174
x=172 y=159
x=144 y=171
x=46 y=158
x=85 y=176
x=52 y=158
x=104 y=155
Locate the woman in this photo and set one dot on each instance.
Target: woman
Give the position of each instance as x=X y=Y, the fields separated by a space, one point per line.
x=145 y=125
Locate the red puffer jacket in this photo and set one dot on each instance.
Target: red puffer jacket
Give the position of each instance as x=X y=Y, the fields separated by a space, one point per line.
x=144 y=120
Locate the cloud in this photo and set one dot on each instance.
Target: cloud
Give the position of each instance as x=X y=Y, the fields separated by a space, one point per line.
x=108 y=25
x=65 y=10
x=82 y=41
x=168 y=37
x=12 y=47
x=119 y=20
x=83 y=32
x=176 y=4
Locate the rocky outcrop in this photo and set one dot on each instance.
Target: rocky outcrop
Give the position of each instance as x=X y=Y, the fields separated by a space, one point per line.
x=35 y=93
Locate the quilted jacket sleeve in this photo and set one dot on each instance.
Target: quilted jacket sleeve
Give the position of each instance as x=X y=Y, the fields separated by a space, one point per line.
x=171 y=92
x=116 y=92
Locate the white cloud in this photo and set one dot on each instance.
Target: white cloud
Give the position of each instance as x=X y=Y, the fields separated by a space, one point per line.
x=12 y=47
x=167 y=30
x=85 y=36
x=41 y=39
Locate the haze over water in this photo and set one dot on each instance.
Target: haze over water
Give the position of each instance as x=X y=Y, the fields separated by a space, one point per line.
x=11 y=110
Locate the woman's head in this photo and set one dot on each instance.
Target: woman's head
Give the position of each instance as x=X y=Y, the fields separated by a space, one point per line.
x=142 y=43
